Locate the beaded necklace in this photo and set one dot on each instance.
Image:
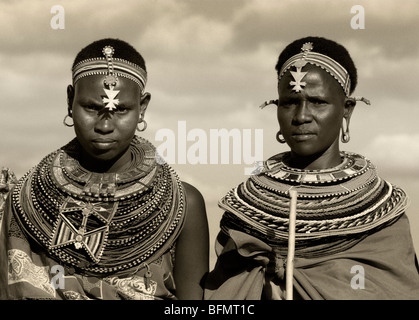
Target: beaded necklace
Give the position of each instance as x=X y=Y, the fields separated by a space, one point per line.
x=101 y=223
x=349 y=199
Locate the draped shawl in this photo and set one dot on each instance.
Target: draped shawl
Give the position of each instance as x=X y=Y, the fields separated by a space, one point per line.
x=352 y=237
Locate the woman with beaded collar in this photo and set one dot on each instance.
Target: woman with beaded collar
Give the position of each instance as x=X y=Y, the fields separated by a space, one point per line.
x=102 y=217
x=352 y=237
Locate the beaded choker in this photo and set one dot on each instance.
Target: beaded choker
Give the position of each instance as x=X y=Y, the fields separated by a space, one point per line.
x=101 y=223
x=353 y=173
x=349 y=199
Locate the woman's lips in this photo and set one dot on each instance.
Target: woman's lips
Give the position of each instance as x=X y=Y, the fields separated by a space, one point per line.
x=103 y=143
x=303 y=136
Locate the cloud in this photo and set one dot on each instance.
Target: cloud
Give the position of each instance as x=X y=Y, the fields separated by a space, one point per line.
x=281 y=22
x=211 y=63
x=207 y=66
x=395 y=152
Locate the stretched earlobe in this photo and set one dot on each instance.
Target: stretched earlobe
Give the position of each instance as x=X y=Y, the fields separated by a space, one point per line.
x=350 y=104
x=345 y=132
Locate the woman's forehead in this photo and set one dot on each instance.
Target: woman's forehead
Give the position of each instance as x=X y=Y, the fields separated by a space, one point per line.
x=311 y=77
x=93 y=87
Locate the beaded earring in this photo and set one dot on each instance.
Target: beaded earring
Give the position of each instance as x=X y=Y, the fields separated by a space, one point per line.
x=345 y=133
x=65 y=121
x=278 y=137
x=141 y=120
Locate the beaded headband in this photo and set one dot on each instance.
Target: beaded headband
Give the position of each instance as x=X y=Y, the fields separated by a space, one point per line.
x=307 y=56
x=328 y=64
x=112 y=68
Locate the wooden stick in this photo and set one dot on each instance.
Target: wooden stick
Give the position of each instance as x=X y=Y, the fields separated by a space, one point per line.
x=291 y=246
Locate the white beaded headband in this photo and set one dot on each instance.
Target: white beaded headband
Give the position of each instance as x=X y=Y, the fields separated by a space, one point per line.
x=307 y=56
x=328 y=64
x=112 y=68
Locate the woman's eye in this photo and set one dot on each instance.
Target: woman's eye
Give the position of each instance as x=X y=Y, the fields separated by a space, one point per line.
x=288 y=103
x=91 y=107
x=318 y=102
x=121 y=110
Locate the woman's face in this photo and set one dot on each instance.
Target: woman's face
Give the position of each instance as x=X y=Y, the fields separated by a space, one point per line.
x=105 y=133
x=310 y=120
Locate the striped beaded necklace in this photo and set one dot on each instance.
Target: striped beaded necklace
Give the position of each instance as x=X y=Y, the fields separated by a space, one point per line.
x=101 y=223
x=347 y=200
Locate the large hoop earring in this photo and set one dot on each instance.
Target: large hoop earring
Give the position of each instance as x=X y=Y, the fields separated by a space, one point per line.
x=144 y=125
x=345 y=132
x=65 y=121
x=278 y=137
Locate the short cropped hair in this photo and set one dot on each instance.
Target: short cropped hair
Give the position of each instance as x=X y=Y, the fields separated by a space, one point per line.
x=324 y=46
x=123 y=50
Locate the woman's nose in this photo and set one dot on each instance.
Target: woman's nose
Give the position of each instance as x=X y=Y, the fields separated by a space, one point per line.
x=104 y=124
x=303 y=113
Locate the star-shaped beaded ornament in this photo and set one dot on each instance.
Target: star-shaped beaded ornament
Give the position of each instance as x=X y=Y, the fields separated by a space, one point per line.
x=110 y=80
x=110 y=99
x=298 y=75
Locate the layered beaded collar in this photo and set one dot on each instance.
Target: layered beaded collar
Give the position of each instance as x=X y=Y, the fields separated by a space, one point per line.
x=85 y=184
x=352 y=165
x=354 y=172
x=101 y=223
x=349 y=199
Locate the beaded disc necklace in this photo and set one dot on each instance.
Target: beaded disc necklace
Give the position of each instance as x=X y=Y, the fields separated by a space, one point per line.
x=101 y=223
x=349 y=199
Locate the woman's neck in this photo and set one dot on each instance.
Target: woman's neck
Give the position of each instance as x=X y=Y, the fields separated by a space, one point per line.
x=327 y=159
x=120 y=164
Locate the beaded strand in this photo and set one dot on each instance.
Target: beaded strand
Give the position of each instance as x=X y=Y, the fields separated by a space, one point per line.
x=149 y=215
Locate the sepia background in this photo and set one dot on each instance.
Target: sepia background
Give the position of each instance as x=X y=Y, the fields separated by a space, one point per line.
x=211 y=64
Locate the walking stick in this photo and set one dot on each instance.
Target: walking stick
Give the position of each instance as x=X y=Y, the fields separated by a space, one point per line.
x=291 y=246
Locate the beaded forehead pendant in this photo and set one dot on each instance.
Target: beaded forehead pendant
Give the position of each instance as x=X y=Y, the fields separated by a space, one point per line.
x=110 y=81
x=298 y=75
x=112 y=68
x=318 y=59
x=328 y=64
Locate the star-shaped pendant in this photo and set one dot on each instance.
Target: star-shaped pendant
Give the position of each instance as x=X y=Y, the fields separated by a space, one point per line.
x=298 y=76
x=110 y=100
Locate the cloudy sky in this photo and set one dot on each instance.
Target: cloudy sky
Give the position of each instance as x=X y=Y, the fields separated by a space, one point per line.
x=211 y=64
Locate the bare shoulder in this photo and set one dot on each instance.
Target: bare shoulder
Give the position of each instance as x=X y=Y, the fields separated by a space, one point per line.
x=195 y=205
x=193 y=195
x=192 y=249
x=196 y=223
